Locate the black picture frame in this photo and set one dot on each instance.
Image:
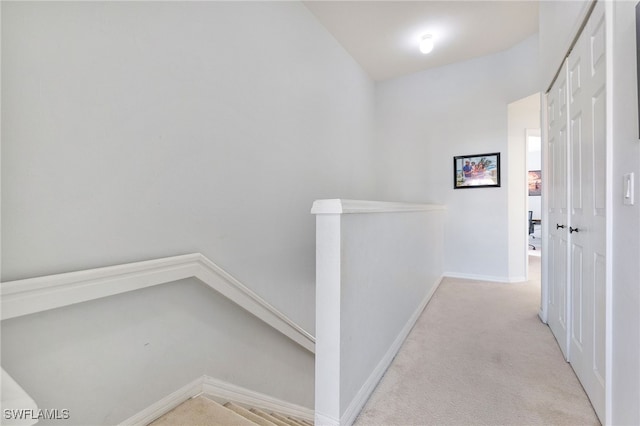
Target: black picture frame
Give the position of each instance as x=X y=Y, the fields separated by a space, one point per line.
x=476 y=171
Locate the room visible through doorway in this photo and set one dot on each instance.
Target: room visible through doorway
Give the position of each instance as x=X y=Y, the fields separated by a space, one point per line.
x=534 y=187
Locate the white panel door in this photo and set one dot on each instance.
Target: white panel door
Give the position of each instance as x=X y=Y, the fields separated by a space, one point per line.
x=557 y=210
x=587 y=179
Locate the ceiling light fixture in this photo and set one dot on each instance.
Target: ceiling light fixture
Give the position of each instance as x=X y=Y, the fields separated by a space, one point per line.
x=426 y=43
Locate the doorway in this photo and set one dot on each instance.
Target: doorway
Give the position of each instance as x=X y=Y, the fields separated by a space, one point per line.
x=523 y=129
x=534 y=189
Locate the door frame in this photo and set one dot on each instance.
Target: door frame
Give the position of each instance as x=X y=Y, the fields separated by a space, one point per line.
x=523 y=119
x=544 y=216
x=528 y=133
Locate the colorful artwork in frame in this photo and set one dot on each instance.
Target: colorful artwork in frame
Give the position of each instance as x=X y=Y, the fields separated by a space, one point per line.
x=535 y=183
x=476 y=171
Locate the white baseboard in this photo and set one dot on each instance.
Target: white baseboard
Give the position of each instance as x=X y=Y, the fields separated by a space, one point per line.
x=489 y=278
x=542 y=316
x=217 y=389
x=358 y=402
x=165 y=405
x=324 y=420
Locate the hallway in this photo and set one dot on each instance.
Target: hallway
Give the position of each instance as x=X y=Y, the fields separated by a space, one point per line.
x=480 y=355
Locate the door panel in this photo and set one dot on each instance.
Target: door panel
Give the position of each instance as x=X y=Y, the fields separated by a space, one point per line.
x=599 y=153
x=599 y=273
x=577 y=294
x=577 y=169
x=576 y=163
x=581 y=149
x=598 y=232
x=557 y=213
x=588 y=211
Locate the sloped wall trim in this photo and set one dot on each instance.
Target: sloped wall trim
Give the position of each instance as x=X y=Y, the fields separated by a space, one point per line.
x=218 y=389
x=28 y=296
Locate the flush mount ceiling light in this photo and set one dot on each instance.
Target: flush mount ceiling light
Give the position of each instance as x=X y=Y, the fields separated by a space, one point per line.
x=426 y=43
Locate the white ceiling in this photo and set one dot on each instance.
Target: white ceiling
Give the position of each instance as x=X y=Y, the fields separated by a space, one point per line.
x=383 y=36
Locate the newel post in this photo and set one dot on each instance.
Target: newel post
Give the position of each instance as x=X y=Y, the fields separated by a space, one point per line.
x=327 y=374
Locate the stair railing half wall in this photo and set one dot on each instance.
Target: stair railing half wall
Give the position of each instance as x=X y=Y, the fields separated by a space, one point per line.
x=377 y=266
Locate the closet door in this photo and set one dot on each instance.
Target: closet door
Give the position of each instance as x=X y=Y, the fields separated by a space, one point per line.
x=558 y=212
x=587 y=160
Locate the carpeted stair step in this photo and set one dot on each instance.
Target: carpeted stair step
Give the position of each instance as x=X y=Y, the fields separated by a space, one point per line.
x=248 y=414
x=202 y=412
x=269 y=417
x=288 y=420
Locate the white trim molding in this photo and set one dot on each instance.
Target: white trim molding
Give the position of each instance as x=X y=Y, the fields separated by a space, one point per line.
x=218 y=389
x=28 y=296
x=324 y=420
x=166 y=404
x=489 y=278
x=221 y=391
x=339 y=206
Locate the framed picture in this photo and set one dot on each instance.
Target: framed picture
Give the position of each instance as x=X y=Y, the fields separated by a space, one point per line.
x=476 y=171
x=535 y=183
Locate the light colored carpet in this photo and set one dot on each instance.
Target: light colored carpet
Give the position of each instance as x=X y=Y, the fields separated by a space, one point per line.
x=201 y=411
x=479 y=355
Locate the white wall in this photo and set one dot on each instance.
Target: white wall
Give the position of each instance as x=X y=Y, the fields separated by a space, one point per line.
x=522 y=115
x=137 y=130
x=559 y=22
x=424 y=120
x=390 y=264
x=626 y=221
x=108 y=359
